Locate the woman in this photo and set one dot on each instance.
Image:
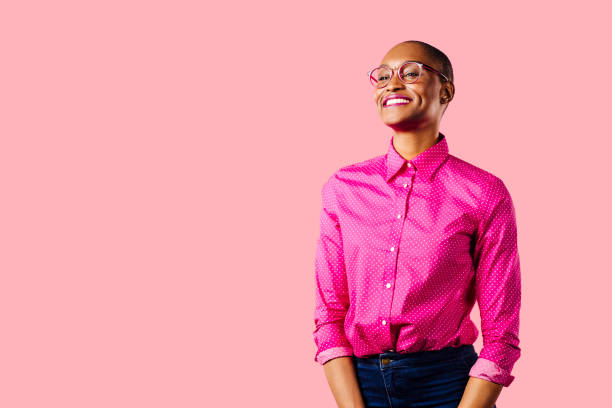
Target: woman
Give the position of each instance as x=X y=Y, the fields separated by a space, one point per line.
x=409 y=241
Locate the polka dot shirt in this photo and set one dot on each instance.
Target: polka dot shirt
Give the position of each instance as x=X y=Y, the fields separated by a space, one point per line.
x=406 y=248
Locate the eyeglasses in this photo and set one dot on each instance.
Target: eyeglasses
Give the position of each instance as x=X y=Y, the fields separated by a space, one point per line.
x=408 y=72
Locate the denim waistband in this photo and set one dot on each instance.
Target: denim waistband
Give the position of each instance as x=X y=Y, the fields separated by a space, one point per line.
x=445 y=353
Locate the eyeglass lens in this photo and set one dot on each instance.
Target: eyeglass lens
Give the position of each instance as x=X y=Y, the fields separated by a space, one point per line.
x=409 y=73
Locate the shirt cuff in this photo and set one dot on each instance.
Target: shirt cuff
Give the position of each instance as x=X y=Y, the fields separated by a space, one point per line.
x=333 y=352
x=490 y=371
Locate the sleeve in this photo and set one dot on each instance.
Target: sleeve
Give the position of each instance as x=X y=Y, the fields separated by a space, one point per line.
x=331 y=295
x=498 y=287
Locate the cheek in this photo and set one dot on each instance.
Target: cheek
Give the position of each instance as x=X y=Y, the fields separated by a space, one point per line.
x=432 y=94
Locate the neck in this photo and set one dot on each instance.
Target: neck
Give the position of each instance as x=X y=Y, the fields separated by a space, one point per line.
x=410 y=143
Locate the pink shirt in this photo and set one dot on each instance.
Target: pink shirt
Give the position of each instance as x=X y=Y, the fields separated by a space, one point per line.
x=406 y=248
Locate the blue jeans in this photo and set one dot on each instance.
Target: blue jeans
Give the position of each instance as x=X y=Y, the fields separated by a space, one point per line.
x=432 y=379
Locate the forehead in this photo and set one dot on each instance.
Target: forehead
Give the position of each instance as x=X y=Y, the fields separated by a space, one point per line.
x=407 y=52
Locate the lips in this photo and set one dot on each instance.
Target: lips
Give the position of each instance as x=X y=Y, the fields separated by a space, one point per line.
x=396 y=96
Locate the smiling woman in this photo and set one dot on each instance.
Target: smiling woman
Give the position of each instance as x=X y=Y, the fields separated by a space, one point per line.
x=409 y=241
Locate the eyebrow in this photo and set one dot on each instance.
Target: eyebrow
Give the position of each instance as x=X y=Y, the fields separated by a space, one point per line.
x=385 y=65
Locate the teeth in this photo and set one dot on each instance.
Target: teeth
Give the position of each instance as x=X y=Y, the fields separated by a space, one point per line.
x=396 y=100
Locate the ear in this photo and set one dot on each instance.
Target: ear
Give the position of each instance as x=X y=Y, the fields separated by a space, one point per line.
x=447 y=92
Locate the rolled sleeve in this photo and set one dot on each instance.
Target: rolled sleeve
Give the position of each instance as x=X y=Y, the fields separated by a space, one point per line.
x=332 y=298
x=498 y=287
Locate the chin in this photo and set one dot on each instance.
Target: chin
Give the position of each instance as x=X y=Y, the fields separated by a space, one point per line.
x=388 y=120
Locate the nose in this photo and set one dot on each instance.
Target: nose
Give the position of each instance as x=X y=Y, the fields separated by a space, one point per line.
x=395 y=82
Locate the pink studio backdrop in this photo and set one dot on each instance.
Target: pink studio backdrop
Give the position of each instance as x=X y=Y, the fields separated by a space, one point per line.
x=161 y=166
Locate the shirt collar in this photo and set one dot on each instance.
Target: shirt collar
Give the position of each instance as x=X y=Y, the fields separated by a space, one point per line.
x=425 y=163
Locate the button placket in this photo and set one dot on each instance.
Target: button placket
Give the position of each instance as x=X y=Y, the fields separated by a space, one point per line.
x=390 y=266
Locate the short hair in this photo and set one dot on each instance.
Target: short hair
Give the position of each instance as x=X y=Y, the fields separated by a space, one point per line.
x=437 y=55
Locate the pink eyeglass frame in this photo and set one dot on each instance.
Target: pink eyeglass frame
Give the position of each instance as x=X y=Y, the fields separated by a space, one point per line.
x=420 y=64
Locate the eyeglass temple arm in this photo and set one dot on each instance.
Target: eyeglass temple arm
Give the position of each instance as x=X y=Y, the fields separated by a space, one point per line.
x=437 y=72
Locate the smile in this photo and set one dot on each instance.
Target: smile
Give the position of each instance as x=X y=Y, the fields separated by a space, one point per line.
x=396 y=101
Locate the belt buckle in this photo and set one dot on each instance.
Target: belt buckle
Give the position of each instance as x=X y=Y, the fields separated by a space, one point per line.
x=387 y=360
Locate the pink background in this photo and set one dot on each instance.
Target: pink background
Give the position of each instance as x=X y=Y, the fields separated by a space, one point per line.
x=161 y=166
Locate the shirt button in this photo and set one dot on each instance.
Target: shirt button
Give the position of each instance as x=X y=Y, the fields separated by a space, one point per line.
x=409 y=164
x=405 y=185
x=384 y=322
x=388 y=285
x=392 y=249
x=399 y=215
